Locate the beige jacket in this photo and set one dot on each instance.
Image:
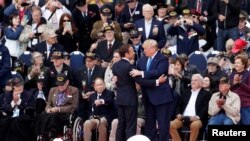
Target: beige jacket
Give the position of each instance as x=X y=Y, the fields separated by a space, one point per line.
x=24 y=37
x=231 y=106
x=71 y=103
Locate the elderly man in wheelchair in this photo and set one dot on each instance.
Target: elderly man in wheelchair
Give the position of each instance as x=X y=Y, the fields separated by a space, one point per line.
x=101 y=112
x=62 y=102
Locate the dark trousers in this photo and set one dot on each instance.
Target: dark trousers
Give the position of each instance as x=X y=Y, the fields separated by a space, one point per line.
x=161 y=114
x=127 y=120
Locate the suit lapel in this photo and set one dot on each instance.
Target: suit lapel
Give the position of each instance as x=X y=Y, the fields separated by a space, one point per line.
x=154 y=60
x=144 y=31
x=199 y=97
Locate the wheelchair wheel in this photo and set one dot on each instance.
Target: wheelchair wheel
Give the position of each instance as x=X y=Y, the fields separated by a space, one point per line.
x=78 y=130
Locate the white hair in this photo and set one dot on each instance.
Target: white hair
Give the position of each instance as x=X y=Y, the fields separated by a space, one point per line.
x=147 y=6
x=199 y=76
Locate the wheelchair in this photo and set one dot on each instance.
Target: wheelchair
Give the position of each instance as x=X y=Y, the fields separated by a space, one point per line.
x=73 y=131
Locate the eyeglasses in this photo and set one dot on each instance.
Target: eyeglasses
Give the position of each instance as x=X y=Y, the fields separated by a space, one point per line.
x=134 y=37
x=66 y=20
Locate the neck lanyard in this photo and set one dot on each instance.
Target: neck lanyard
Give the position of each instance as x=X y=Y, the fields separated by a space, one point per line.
x=131 y=14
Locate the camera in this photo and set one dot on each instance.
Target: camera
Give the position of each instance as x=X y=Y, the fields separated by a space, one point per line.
x=184 y=22
x=38 y=34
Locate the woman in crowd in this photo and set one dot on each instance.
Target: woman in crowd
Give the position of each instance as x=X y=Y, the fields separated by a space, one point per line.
x=240 y=84
x=12 y=34
x=208 y=84
x=68 y=35
x=35 y=71
x=110 y=85
x=177 y=81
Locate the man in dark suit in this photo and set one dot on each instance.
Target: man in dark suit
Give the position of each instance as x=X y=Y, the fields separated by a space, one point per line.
x=131 y=13
x=192 y=110
x=126 y=98
x=84 y=17
x=105 y=48
x=84 y=78
x=58 y=67
x=48 y=47
x=151 y=28
x=101 y=111
x=157 y=100
x=210 y=18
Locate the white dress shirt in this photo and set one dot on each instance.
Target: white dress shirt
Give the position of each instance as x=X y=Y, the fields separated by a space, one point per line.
x=147 y=27
x=190 y=109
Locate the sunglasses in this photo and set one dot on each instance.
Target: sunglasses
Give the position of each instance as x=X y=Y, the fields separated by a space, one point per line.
x=66 y=20
x=134 y=37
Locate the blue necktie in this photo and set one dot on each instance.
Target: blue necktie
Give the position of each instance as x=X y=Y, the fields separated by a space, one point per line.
x=60 y=99
x=149 y=63
x=89 y=75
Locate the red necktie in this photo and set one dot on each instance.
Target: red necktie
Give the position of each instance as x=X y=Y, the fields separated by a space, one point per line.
x=198 y=8
x=110 y=48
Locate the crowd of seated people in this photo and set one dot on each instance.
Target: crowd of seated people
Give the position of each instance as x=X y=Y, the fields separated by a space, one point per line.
x=40 y=90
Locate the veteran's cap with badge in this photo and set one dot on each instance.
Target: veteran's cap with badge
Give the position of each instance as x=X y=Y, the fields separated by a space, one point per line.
x=90 y=55
x=61 y=79
x=213 y=61
x=134 y=33
x=108 y=27
x=161 y=6
x=186 y=12
x=105 y=10
x=172 y=14
x=224 y=80
x=57 y=55
x=17 y=82
x=166 y=52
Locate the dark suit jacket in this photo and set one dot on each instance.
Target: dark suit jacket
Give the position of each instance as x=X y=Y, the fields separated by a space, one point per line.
x=139 y=53
x=53 y=73
x=125 y=16
x=71 y=102
x=161 y=94
x=201 y=104
x=126 y=91
x=26 y=98
x=82 y=75
x=160 y=37
x=84 y=25
x=107 y=110
x=42 y=48
x=102 y=50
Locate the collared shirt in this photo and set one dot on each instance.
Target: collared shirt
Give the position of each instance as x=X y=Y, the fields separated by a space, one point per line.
x=59 y=69
x=147 y=27
x=98 y=95
x=41 y=95
x=126 y=59
x=85 y=14
x=190 y=109
x=92 y=69
x=147 y=62
x=48 y=49
x=112 y=42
